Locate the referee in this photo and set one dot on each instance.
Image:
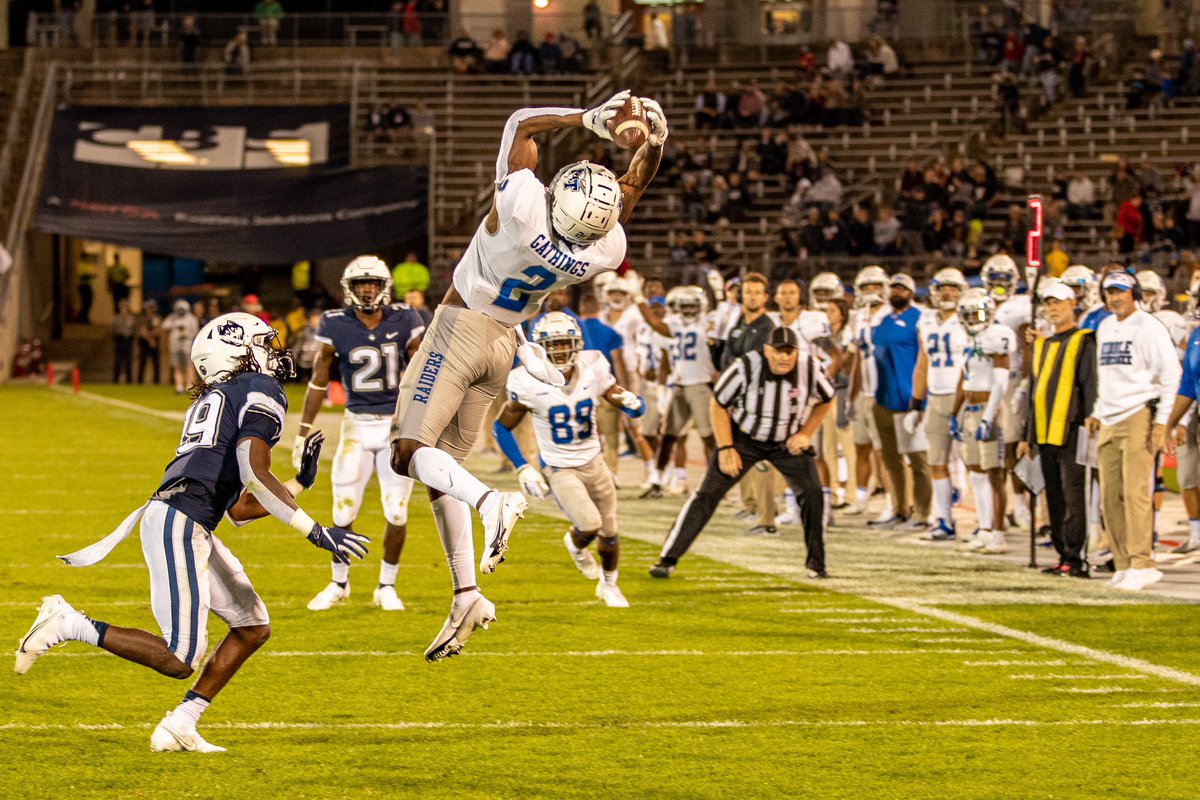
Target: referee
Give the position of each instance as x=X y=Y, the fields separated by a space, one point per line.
x=768 y=405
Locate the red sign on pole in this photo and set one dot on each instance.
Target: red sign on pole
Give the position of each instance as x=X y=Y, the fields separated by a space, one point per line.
x=1033 y=239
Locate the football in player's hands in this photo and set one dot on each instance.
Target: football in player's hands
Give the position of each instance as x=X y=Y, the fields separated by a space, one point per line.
x=629 y=127
x=342 y=543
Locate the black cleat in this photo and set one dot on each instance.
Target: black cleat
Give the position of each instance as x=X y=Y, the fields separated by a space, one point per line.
x=661 y=570
x=818 y=574
x=653 y=493
x=1078 y=572
x=1057 y=570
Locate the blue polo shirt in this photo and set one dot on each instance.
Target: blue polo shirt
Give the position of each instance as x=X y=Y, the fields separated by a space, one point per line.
x=896 y=347
x=1191 y=367
x=1092 y=321
x=597 y=335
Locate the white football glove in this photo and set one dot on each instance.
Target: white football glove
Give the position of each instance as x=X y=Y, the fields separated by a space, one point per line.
x=657 y=120
x=533 y=357
x=533 y=483
x=596 y=119
x=628 y=399
x=298 y=451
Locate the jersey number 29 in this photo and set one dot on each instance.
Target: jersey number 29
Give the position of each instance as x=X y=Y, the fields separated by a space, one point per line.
x=201 y=423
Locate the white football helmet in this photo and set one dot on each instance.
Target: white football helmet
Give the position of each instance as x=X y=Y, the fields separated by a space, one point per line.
x=688 y=302
x=1000 y=276
x=947 y=287
x=1154 y=291
x=825 y=287
x=367 y=269
x=618 y=294
x=977 y=310
x=560 y=335
x=239 y=342
x=1083 y=281
x=870 y=277
x=585 y=202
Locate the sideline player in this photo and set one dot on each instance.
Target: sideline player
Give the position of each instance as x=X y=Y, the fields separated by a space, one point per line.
x=939 y=366
x=222 y=467
x=535 y=239
x=564 y=420
x=689 y=325
x=870 y=286
x=980 y=397
x=372 y=340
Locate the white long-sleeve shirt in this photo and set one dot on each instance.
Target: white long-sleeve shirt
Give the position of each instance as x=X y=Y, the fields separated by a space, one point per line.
x=1138 y=363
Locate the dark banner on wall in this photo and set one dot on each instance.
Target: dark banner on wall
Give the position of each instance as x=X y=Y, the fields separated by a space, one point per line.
x=265 y=185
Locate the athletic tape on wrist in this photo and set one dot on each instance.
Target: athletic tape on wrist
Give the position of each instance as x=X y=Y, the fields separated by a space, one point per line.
x=301 y=522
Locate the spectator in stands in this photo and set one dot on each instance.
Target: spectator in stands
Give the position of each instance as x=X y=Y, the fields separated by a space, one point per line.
x=522 y=56
x=702 y=251
x=268 y=14
x=985 y=190
x=141 y=22
x=784 y=253
x=936 y=235
x=812 y=234
x=772 y=151
x=549 y=54
x=237 y=55
x=1057 y=259
x=1013 y=53
x=416 y=299
x=836 y=234
x=1191 y=185
x=827 y=191
x=718 y=200
x=1130 y=224
x=691 y=199
x=1047 y=65
x=860 y=233
x=710 y=108
x=1137 y=90
x=1187 y=80
x=656 y=38
x=1149 y=181
x=1015 y=229
x=124 y=325
x=495 y=55
x=751 y=106
x=574 y=57
x=742 y=160
x=839 y=60
x=881 y=61
x=836 y=101
x=1081 y=61
x=738 y=202
x=1124 y=184
x=593 y=21
x=806 y=63
x=464 y=54
x=1008 y=104
x=915 y=214
x=84 y=274
x=887 y=230
x=956 y=244
x=189 y=45
x=1033 y=39
x=886 y=19
x=408 y=275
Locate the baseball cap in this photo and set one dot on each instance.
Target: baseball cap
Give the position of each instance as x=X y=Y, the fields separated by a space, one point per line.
x=900 y=279
x=1119 y=280
x=782 y=337
x=1056 y=290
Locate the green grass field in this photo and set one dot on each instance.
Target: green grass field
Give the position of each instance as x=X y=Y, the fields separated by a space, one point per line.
x=736 y=678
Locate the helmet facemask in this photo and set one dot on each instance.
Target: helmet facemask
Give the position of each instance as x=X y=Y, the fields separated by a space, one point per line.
x=563 y=351
x=267 y=355
x=947 y=296
x=367 y=294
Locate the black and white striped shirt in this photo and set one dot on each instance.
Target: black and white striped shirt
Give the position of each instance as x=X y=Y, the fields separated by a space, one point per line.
x=769 y=407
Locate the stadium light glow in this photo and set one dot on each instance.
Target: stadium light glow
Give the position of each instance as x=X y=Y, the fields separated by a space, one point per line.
x=163 y=151
x=541 y=3
x=290 y=152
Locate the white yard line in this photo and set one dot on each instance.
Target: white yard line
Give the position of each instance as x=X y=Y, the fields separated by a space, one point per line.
x=125 y=405
x=608 y=724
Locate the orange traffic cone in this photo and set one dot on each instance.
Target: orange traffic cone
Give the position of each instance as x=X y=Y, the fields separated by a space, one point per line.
x=336 y=395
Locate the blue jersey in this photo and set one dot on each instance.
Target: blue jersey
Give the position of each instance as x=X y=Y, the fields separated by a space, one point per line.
x=1092 y=321
x=371 y=361
x=204 y=480
x=896 y=344
x=1191 y=367
x=599 y=336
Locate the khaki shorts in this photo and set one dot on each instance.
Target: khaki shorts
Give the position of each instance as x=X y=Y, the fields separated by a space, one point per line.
x=1015 y=414
x=690 y=403
x=1187 y=460
x=463 y=363
x=587 y=495
x=652 y=420
x=985 y=455
x=864 y=428
x=938 y=410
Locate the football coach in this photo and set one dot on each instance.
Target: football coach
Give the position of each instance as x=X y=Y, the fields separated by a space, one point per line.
x=767 y=406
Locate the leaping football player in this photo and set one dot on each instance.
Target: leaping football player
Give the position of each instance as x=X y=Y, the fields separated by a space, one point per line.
x=564 y=420
x=222 y=467
x=372 y=339
x=535 y=239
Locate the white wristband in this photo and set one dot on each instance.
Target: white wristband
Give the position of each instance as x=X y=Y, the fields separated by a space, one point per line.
x=302 y=522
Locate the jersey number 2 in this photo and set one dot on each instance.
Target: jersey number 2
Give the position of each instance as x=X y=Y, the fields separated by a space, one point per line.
x=516 y=294
x=200 y=425
x=560 y=422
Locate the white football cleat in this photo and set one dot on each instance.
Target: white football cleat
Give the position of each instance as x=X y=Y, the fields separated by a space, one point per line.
x=497 y=527
x=1138 y=579
x=330 y=596
x=611 y=595
x=455 y=632
x=171 y=737
x=43 y=634
x=385 y=597
x=676 y=487
x=1118 y=577
x=585 y=562
x=995 y=544
x=976 y=541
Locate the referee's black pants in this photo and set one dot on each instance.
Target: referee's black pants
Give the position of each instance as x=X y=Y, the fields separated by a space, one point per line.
x=1065 y=498
x=799 y=471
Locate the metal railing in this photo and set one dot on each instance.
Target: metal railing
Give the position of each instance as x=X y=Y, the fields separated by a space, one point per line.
x=15 y=315
x=12 y=133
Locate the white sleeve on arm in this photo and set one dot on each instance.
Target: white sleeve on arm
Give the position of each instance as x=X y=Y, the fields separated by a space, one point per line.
x=510 y=132
x=999 y=386
x=1167 y=374
x=276 y=507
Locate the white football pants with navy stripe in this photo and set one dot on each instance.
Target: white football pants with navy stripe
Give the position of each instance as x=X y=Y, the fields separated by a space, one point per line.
x=192 y=573
x=365 y=449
